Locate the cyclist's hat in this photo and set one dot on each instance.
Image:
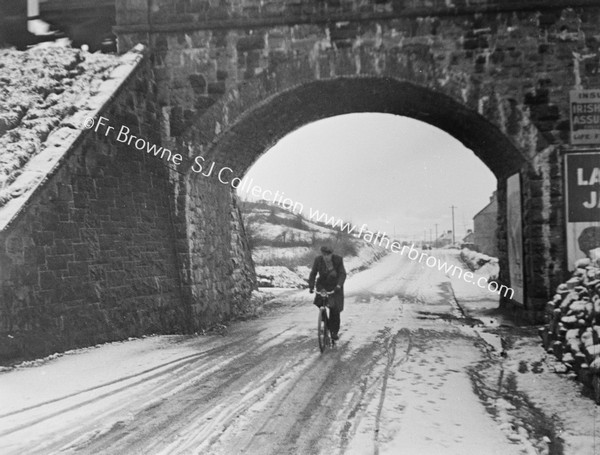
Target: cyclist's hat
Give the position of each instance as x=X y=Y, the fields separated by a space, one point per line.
x=326 y=250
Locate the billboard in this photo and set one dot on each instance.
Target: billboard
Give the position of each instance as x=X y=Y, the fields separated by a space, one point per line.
x=582 y=201
x=515 y=236
x=585 y=116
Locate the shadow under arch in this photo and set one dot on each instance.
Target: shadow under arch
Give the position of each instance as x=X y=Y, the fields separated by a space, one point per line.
x=259 y=128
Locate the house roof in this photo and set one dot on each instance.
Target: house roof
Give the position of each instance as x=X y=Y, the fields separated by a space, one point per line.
x=493 y=200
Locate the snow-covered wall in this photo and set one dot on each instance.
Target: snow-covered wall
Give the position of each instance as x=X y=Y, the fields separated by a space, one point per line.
x=86 y=249
x=95 y=245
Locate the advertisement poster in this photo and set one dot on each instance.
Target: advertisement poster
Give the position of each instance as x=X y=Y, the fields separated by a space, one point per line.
x=582 y=183
x=585 y=116
x=515 y=236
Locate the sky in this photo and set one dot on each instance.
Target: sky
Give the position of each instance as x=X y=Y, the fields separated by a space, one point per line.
x=393 y=173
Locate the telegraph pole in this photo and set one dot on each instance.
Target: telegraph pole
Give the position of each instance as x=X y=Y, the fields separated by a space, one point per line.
x=453 y=238
x=436 y=235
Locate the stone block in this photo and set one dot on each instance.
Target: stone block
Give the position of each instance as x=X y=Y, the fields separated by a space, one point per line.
x=48 y=280
x=67 y=230
x=78 y=269
x=34 y=255
x=216 y=88
x=59 y=262
x=63 y=247
x=252 y=42
x=43 y=238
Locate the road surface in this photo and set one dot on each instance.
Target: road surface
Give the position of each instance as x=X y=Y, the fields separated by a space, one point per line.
x=403 y=379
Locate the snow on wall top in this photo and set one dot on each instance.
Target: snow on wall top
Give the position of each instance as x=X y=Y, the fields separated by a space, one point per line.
x=45 y=92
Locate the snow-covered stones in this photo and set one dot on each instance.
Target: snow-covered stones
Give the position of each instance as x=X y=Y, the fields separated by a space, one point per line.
x=41 y=88
x=572 y=333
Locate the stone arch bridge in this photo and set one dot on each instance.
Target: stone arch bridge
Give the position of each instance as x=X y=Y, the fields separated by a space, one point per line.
x=115 y=242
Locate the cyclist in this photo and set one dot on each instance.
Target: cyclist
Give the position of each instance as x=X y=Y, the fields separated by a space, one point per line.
x=330 y=268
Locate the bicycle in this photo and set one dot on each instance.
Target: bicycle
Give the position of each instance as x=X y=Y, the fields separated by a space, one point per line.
x=325 y=340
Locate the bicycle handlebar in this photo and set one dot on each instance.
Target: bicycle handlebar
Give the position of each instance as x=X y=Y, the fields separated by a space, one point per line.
x=325 y=293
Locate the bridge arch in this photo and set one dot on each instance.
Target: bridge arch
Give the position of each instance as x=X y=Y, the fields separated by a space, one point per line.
x=264 y=124
x=269 y=121
x=266 y=73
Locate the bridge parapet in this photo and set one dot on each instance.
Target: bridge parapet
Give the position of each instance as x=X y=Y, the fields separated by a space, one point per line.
x=165 y=15
x=512 y=67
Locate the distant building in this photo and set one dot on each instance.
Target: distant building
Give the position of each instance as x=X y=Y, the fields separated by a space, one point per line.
x=444 y=239
x=469 y=237
x=485 y=223
x=468 y=240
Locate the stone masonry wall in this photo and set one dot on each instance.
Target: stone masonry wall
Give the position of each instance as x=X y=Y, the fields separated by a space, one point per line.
x=91 y=256
x=216 y=263
x=511 y=62
x=101 y=251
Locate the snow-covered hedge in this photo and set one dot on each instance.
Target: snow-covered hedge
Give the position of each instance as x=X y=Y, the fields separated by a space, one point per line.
x=573 y=330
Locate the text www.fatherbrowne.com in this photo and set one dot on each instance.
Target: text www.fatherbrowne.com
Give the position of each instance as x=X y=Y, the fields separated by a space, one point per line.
x=413 y=253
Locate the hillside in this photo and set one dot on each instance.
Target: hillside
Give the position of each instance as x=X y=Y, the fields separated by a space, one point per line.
x=285 y=244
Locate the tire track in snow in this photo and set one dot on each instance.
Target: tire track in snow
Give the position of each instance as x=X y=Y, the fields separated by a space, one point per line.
x=391 y=355
x=232 y=408
x=201 y=410
x=177 y=363
x=163 y=380
x=367 y=392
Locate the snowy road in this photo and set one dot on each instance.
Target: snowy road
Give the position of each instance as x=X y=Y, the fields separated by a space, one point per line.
x=400 y=381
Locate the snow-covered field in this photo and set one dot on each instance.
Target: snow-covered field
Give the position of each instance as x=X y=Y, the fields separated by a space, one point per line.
x=274 y=231
x=281 y=255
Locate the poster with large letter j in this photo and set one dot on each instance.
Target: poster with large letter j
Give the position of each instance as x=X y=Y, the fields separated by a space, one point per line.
x=515 y=236
x=582 y=175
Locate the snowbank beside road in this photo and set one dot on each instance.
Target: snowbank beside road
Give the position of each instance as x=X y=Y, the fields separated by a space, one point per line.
x=265 y=254
x=280 y=276
x=481 y=263
x=527 y=375
x=366 y=256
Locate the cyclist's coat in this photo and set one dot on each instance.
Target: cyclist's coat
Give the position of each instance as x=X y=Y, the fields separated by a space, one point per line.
x=329 y=279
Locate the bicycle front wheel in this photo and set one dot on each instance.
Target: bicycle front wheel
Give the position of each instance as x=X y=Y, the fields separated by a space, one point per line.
x=322 y=332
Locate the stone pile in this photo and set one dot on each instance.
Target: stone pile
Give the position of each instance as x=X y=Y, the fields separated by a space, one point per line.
x=573 y=330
